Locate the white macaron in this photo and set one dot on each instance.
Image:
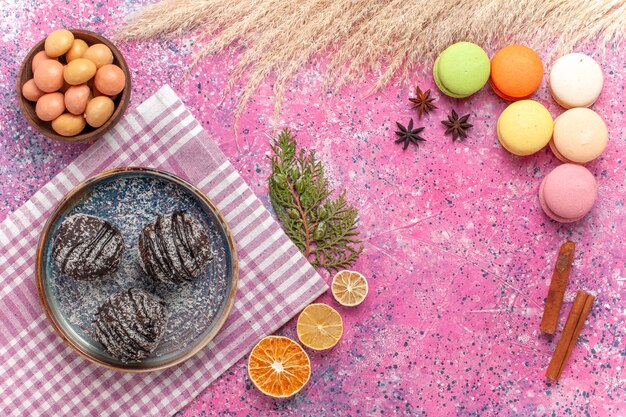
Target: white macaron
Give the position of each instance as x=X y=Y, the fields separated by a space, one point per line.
x=576 y=80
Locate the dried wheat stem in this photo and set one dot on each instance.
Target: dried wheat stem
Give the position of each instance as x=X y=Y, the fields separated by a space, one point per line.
x=388 y=37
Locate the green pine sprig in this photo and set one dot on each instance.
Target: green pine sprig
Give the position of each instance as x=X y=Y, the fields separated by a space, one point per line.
x=323 y=228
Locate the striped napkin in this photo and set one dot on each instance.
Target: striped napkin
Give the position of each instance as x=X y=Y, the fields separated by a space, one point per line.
x=40 y=375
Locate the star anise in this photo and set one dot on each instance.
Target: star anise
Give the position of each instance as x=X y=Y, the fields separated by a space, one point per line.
x=457 y=126
x=409 y=135
x=423 y=102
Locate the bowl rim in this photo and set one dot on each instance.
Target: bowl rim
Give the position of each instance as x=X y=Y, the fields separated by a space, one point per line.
x=75 y=193
x=120 y=108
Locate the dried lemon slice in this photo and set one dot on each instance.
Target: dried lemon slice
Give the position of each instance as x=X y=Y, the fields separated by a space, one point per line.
x=349 y=288
x=319 y=327
x=279 y=367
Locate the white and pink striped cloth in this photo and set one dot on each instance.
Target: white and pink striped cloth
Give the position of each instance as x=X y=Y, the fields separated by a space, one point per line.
x=40 y=375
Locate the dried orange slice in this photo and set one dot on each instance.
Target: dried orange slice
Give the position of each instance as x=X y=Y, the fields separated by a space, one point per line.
x=279 y=367
x=319 y=327
x=349 y=288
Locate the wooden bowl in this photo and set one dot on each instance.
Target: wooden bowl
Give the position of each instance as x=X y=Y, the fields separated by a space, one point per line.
x=89 y=133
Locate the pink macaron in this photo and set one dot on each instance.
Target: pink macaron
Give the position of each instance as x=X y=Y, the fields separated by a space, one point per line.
x=568 y=193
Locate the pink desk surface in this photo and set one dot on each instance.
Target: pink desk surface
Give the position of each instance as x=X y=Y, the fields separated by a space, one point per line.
x=457 y=250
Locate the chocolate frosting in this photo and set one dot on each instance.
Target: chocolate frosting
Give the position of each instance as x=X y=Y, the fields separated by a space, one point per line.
x=174 y=248
x=130 y=324
x=87 y=248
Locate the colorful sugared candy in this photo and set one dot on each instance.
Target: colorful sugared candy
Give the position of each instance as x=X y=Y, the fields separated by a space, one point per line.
x=88 y=72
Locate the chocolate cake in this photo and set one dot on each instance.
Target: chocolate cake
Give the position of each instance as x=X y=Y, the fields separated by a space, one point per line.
x=130 y=324
x=87 y=248
x=174 y=248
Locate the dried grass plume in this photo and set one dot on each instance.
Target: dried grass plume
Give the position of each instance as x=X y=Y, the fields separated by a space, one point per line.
x=391 y=36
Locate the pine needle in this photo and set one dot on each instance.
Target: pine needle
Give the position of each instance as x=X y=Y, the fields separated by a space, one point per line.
x=322 y=227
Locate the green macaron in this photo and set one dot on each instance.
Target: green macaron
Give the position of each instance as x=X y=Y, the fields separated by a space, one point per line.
x=461 y=70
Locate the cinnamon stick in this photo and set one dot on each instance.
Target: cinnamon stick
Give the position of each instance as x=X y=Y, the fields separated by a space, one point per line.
x=560 y=276
x=575 y=321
